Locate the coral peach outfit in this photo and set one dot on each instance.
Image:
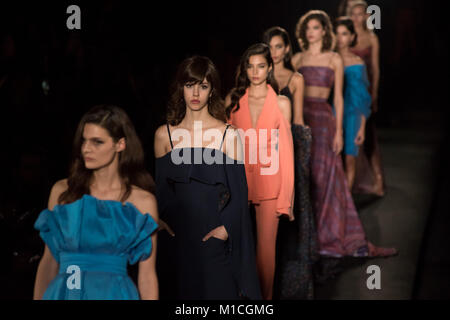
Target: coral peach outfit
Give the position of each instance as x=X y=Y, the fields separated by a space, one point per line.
x=271 y=194
x=280 y=185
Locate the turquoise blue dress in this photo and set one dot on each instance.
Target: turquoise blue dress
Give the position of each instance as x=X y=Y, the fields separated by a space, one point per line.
x=93 y=241
x=357 y=101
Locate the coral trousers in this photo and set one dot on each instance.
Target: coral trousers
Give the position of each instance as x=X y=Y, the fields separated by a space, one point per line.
x=266 y=234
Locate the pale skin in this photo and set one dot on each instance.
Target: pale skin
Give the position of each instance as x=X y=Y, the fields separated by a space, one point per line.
x=365 y=39
x=196 y=96
x=101 y=155
x=344 y=39
x=278 y=50
x=257 y=73
x=315 y=57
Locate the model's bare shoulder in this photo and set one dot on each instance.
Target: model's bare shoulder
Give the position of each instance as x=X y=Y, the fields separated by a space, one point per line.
x=285 y=107
x=144 y=201
x=161 y=133
x=58 y=188
x=295 y=60
x=233 y=146
x=298 y=79
x=283 y=102
x=161 y=141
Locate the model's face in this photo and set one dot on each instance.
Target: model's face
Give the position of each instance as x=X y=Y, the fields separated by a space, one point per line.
x=98 y=148
x=344 y=37
x=359 y=16
x=197 y=95
x=350 y=4
x=258 y=69
x=278 y=49
x=314 y=31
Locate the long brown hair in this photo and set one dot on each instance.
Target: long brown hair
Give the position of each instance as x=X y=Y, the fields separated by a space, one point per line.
x=131 y=160
x=194 y=70
x=242 y=81
x=278 y=31
x=323 y=18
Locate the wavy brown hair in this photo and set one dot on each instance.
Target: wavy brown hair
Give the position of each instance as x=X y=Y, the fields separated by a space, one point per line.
x=194 y=70
x=242 y=81
x=278 y=31
x=323 y=18
x=131 y=160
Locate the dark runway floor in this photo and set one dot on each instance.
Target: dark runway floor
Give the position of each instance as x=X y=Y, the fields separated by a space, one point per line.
x=411 y=217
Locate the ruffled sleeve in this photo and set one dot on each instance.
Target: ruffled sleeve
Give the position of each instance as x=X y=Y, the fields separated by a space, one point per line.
x=142 y=246
x=49 y=231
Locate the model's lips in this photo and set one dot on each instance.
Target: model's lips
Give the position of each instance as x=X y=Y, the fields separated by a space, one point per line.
x=255 y=78
x=195 y=101
x=88 y=159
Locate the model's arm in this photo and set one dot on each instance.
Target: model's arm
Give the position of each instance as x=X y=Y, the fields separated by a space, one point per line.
x=360 y=136
x=160 y=141
x=296 y=60
x=338 y=101
x=375 y=70
x=299 y=85
x=147 y=279
x=48 y=266
x=285 y=107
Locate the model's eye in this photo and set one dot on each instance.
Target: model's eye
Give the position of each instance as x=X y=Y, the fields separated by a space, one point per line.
x=188 y=85
x=205 y=86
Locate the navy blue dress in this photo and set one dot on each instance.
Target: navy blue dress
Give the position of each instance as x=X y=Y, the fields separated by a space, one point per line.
x=193 y=199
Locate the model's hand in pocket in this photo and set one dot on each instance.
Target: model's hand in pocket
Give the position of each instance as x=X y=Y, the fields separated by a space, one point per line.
x=219 y=233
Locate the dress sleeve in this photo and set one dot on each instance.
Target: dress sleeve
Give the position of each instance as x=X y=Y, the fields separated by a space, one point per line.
x=142 y=245
x=162 y=187
x=286 y=166
x=49 y=230
x=235 y=217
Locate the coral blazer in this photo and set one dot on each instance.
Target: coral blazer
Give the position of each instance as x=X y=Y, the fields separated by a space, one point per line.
x=279 y=185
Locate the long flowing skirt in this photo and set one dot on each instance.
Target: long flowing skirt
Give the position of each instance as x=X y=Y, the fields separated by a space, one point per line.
x=339 y=228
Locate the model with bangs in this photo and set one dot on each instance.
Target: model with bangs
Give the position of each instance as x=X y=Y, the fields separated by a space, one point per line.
x=207 y=245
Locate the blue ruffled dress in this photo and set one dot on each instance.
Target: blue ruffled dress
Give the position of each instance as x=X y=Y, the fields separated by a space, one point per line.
x=93 y=240
x=357 y=101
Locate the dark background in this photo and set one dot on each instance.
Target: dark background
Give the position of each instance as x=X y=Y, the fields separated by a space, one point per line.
x=126 y=54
